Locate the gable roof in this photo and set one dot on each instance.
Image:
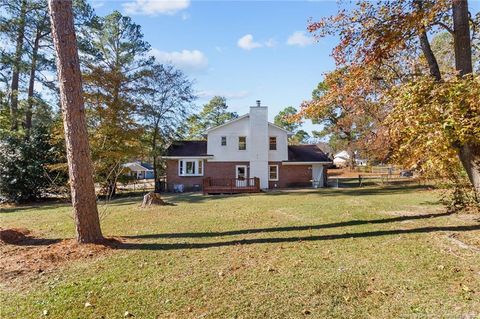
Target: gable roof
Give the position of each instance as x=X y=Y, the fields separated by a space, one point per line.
x=306 y=153
x=343 y=155
x=227 y=123
x=187 y=149
x=296 y=153
x=241 y=118
x=138 y=166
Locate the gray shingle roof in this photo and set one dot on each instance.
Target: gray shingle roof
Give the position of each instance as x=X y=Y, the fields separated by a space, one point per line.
x=187 y=148
x=306 y=153
x=296 y=153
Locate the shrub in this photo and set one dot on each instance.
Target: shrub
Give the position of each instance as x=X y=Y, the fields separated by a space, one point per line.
x=23 y=166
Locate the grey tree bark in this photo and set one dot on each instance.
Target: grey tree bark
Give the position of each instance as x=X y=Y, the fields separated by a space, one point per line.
x=469 y=153
x=16 y=67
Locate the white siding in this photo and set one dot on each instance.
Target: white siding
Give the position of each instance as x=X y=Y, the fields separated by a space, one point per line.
x=259 y=144
x=281 y=154
x=230 y=152
x=257 y=130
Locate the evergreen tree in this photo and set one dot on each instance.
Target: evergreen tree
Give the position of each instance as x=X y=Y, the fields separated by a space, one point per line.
x=115 y=65
x=214 y=113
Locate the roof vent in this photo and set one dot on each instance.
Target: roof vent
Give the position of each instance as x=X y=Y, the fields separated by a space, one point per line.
x=258 y=103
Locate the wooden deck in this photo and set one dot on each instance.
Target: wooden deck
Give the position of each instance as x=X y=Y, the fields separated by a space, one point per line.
x=231 y=185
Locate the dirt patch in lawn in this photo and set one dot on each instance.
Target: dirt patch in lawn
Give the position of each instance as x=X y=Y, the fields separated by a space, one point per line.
x=24 y=255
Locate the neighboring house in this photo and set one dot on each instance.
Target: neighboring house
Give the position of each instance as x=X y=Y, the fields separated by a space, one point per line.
x=139 y=170
x=342 y=159
x=243 y=148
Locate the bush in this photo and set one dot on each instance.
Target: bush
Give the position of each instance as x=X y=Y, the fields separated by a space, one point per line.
x=23 y=166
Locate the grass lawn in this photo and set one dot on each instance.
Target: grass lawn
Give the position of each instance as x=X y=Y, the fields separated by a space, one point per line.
x=332 y=253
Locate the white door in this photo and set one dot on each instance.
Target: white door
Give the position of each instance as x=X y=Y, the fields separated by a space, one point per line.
x=241 y=175
x=317 y=176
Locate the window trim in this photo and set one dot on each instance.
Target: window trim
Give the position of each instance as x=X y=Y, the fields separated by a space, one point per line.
x=223 y=139
x=199 y=167
x=270 y=143
x=239 y=143
x=277 y=173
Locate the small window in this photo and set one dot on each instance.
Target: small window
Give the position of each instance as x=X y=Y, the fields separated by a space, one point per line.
x=224 y=141
x=273 y=143
x=190 y=168
x=242 y=143
x=273 y=172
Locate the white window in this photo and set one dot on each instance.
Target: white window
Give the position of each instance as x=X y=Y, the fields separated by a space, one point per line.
x=224 y=141
x=273 y=143
x=273 y=172
x=190 y=167
x=242 y=143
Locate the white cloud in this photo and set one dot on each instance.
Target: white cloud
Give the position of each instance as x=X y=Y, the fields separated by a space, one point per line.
x=226 y=94
x=187 y=60
x=154 y=7
x=246 y=42
x=299 y=38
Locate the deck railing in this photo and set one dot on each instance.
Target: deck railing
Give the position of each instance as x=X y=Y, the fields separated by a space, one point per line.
x=231 y=185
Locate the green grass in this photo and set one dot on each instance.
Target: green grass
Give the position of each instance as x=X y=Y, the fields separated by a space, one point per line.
x=345 y=253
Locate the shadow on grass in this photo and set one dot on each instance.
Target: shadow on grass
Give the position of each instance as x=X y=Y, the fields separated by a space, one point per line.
x=358 y=191
x=289 y=228
x=274 y=240
x=122 y=244
x=132 y=198
x=38 y=206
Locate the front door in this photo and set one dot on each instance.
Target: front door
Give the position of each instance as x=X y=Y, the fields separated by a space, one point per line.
x=241 y=175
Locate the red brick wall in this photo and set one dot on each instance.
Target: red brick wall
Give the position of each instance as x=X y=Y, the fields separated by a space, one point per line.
x=289 y=175
x=292 y=176
x=212 y=169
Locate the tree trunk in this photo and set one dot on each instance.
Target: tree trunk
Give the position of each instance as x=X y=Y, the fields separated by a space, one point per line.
x=470 y=157
x=469 y=153
x=461 y=37
x=155 y=163
x=155 y=175
x=16 y=67
x=429 y=56
x=85 y=211
x=31 y=82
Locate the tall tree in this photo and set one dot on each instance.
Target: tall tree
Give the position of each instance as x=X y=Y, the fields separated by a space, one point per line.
x=41 y=29
x=87 y=223
x=165 y=108
x=469 y=152
x=285 y=119
x=214 y=113
x=15 y=23
x=115 y=65
x=394 y=35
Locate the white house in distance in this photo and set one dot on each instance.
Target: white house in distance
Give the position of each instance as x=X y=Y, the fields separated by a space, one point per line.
x=342 y=159
x=244 y=148
x=139 y=170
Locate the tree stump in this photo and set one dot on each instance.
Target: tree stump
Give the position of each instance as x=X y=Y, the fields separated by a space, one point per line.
x=152 y=199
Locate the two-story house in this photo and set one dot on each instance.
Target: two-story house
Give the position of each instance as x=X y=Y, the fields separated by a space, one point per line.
x=248 y=146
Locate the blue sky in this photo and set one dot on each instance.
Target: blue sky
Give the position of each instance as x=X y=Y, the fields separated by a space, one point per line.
x=243 y=50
